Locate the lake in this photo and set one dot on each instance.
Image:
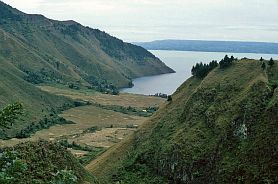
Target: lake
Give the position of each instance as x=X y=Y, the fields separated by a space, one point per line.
x=181 y=62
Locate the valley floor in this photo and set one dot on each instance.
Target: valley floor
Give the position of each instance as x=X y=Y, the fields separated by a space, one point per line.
x=94 y=126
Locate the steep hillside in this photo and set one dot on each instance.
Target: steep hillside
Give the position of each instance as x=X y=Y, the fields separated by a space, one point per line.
x=37 y=104
x=66 y=52
x=222 y=129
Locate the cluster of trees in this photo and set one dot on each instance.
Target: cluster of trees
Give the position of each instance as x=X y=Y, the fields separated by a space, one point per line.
x=201 y=70
x=108 y=89
x=161 y=95
x=102 y=86
x=43 y=75
x=227 y=61
x=12 y=170
x=45 y=123
x=74 y=145
x=270 y=63
x=128 y=110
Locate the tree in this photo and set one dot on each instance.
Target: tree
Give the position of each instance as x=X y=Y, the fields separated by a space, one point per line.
x=261 y=59
x=10 y=114
x=271 y=62
x=169 y=98
x=263 y=66
x=232 y=58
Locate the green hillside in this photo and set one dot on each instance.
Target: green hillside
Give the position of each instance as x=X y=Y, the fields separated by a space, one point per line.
x=35 y=50
x=37 y=104
x=67 y=52
x=220 y=129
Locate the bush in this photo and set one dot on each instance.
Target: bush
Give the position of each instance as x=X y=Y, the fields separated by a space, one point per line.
x=10 y=114
x=64 y=177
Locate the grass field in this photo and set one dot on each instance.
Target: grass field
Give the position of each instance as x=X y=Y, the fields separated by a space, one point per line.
x=110 y=127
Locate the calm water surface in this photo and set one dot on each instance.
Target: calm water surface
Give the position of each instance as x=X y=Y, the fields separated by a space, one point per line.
x=181 y=62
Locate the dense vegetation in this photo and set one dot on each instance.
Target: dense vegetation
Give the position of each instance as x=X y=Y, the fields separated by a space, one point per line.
x=38 y=162
x=220 y=129
x=41 y=163
x=45 y=123
x=201 y=70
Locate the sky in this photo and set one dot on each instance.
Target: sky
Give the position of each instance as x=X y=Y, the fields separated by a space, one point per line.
x=147 y=20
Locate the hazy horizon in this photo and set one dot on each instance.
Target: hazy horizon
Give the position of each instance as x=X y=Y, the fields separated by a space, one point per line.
x=143 y=20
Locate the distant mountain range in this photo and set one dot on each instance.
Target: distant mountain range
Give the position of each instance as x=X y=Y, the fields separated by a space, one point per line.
x=211 y=46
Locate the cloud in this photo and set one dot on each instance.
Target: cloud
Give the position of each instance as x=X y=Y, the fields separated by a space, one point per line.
x=25 y=5
x=137 y=20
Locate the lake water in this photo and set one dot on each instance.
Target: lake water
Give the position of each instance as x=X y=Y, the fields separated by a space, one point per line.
x=181 y=62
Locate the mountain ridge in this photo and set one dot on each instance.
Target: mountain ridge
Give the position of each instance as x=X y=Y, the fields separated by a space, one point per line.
x=212 y=46
x=80 y=51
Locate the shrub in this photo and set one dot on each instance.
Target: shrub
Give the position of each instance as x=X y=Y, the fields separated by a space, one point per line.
x=64 y=177
x=11 y=167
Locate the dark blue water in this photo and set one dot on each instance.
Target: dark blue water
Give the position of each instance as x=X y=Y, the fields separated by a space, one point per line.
x=181 y=62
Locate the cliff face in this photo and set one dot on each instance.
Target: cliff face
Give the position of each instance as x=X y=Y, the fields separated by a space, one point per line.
x=222 y=129
x=65 y=51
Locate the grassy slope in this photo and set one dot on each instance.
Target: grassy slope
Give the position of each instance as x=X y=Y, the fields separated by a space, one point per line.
x=68 y=52
x=37 y=103
x=36 y=49
x=218 y=130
